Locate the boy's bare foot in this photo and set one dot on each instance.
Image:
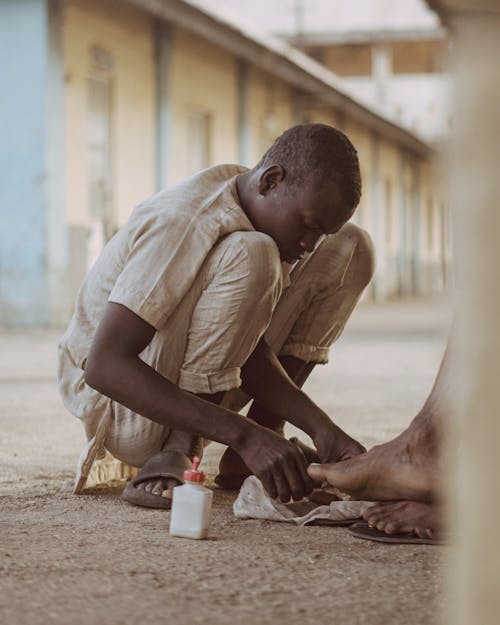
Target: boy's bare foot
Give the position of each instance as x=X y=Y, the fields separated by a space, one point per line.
x=161 y=487
x=178 y=441
x=404 y=517
x=404 y=468
x=185 y=443
x=232 y=470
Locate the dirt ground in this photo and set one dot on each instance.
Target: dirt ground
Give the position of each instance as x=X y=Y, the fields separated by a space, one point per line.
x=95 y=559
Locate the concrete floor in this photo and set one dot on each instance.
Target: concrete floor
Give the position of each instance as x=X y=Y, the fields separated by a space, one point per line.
x=95 y=559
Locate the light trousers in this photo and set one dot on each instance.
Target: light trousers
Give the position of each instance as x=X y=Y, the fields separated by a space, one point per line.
x=241 y=293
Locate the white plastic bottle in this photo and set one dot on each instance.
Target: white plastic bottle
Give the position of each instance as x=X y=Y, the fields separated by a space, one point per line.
x=191 y=505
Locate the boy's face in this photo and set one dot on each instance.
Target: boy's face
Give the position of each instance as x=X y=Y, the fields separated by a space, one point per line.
x=296 y=218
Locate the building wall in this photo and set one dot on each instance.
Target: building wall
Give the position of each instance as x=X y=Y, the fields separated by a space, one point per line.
x=346 y=60
x=408 y=57
x=113 y=43
x=364 y=142
x=270 y=112
x=432 y=273
x=401 y=209
x=404 y=78
x=417 y=57
x=324 y=115
x=203 y=95
x=385 y=218
x=144 y=105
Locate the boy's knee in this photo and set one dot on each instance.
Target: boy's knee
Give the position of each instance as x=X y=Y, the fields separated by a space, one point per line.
x=259 y=256
x=349 y=251
x=363 y=258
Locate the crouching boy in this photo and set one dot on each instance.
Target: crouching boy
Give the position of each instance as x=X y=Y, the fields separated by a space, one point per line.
x=230 y=285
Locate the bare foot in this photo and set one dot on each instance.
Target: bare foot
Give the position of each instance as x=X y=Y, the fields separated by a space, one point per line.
x=154 y=484
x=163 y=487
x=404 y=517
x=404 y=468
x=232 y=470
x=177 y=441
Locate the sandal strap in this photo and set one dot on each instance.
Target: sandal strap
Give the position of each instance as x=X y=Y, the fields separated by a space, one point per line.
x=176 y=461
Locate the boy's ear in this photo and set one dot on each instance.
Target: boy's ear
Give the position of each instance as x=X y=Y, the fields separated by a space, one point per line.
x=270 y=178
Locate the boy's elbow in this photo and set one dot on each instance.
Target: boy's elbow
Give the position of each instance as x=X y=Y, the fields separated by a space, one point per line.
x=94 y=375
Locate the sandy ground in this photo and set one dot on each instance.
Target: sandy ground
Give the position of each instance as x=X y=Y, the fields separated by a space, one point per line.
x=95 y=559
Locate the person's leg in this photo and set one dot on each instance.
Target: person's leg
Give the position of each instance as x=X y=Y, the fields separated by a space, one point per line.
x=183 y=443
x=309 y=318
x=203 y=346
x=407 y=468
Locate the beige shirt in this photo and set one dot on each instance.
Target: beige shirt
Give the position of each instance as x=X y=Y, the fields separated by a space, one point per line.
x=150 y=264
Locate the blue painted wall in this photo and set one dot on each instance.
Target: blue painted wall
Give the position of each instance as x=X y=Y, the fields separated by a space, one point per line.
x=23 y=174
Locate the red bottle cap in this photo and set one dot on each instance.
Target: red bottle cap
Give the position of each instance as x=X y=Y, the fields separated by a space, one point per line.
x=193 y=475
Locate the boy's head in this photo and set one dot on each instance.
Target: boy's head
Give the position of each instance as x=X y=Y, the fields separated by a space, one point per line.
x=319 y=154
x=307 y=184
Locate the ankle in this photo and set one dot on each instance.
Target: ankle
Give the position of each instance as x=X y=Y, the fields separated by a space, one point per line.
x=184 y=443
x=423 y=437
x=266 y=419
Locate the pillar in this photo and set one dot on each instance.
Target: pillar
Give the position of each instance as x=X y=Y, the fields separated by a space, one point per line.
x=474 y=198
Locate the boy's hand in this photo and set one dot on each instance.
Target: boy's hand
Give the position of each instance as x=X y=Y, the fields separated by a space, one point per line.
x=334 y=445
x=279 y=465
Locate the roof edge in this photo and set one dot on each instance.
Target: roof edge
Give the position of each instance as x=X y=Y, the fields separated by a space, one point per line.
x=280 y=58
x=363 y=36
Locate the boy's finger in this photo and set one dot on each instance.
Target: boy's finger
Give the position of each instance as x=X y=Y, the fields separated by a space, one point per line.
x=269 y=485
x=306 y=483
x=282 y=486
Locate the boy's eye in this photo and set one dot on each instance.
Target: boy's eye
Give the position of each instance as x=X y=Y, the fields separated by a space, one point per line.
x=313 y=227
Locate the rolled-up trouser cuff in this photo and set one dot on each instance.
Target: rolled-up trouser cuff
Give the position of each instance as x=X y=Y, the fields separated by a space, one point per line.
x=307 y=353
x=209 y=382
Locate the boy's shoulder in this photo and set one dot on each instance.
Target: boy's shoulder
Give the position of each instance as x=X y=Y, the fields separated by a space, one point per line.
x=202 y=183
x=205 y=192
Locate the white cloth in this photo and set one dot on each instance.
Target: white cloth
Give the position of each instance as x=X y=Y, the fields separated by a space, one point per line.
x=253 y=502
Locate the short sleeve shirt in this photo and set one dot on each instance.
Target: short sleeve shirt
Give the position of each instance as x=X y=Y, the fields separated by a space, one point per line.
x=151 y=263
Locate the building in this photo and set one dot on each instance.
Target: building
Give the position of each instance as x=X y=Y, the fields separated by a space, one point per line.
x=109 y=100
x=389 y=53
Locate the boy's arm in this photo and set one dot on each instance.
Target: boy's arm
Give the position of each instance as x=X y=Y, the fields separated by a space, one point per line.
x=115 y=369
x=266 y=381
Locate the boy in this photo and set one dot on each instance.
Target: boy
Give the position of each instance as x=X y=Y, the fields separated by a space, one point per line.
x=233 y=278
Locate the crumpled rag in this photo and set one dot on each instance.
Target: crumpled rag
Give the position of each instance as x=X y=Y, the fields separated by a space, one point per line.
x=253 y=502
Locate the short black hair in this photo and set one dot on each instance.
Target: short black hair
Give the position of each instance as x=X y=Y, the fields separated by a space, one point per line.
x=320 y=153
